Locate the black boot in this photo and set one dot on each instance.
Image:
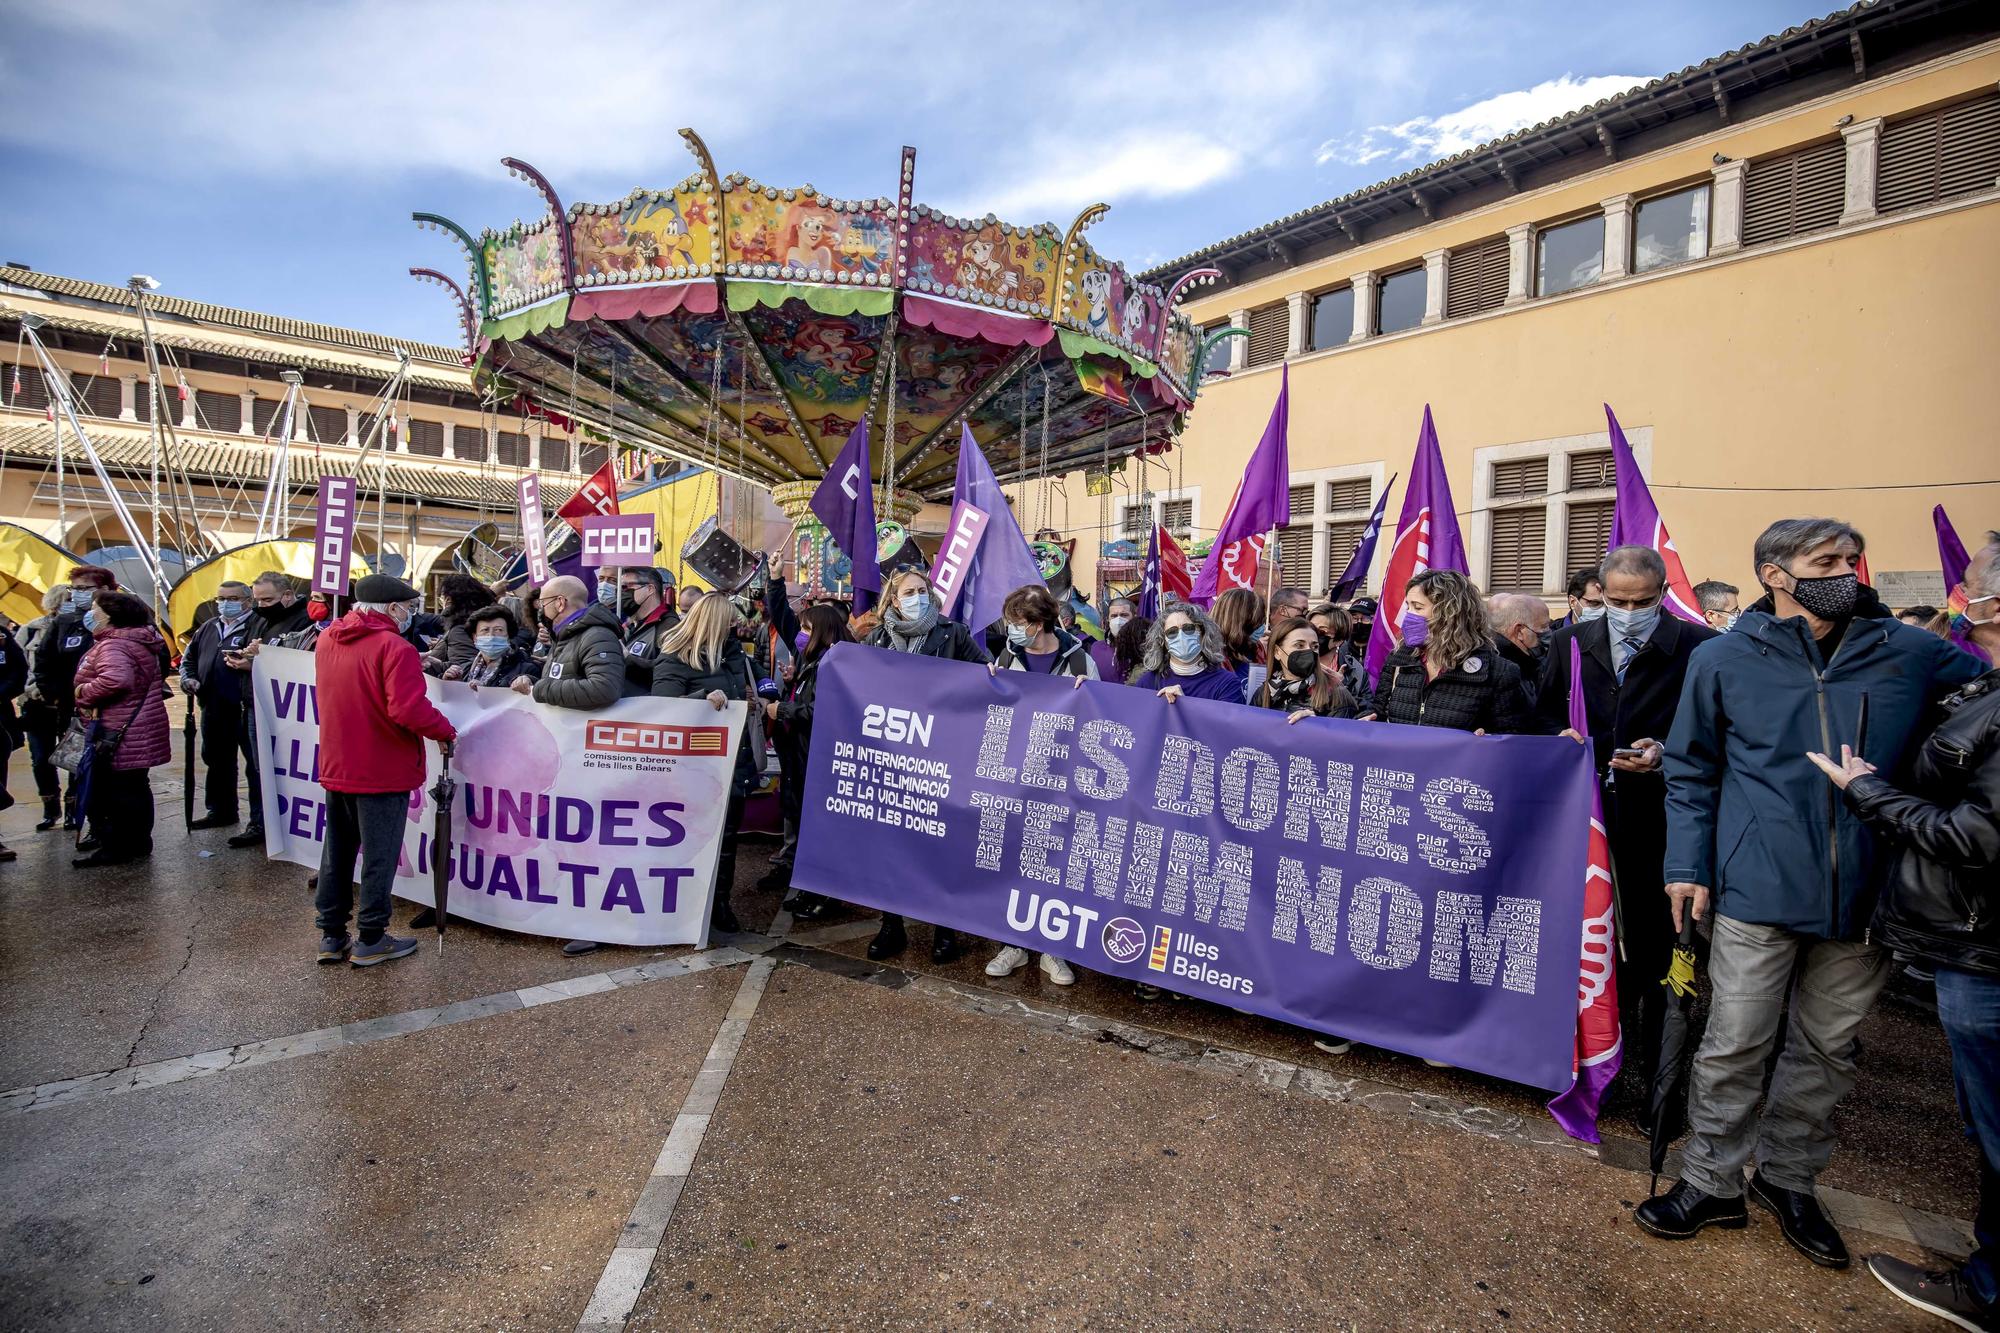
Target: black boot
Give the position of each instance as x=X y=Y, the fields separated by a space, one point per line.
x=1803 y=1221
x=722 y=916
x=890 y=940
x=944 y=944
x=214 y=819
x=811 y=907
x=251 y=836
x=1684 y=1210
x=51 y=814
x=778 y=876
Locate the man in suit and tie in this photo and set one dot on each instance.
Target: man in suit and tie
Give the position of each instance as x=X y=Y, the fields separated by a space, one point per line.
x=1635 y=657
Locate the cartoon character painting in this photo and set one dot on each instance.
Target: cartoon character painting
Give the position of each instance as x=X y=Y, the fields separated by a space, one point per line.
x=810 y=235
x=1134 y=327
x=1096 y=287
x=979 y=270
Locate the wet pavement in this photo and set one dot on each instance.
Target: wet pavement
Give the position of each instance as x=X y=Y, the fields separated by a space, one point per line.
x=207 y=1130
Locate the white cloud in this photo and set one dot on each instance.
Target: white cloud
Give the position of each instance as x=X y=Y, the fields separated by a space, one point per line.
x=1428 y=138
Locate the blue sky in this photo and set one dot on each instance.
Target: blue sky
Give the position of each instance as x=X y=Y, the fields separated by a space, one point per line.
x=269 y=155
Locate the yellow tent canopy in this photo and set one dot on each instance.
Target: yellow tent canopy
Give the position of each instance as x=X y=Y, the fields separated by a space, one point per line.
x=241 y=564
x=29 y=567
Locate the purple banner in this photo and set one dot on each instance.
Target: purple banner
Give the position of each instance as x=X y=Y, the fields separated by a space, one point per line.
x=333 y=538
x=955 y=552
x=534 y=540
x=617 y=539
x=1413 y=888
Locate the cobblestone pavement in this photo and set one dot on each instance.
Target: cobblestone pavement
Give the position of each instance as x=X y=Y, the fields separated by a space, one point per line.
x=201 y=1129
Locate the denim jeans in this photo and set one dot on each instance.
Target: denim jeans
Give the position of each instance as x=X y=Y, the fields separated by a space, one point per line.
x=371 y=825
x=1969 y=1009
x=1750 y=968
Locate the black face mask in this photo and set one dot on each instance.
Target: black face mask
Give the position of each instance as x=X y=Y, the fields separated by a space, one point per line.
x=1359 y=638
x=1302 y=663
x=628 y=605
x=1830 y=597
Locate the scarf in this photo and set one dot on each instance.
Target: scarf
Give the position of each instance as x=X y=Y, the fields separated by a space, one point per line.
x=907 y=636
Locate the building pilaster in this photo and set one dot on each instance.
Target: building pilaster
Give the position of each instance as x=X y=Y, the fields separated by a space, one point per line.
x=1617 y=237
x=1436 y=264
x=1864 y=153
x=1239 y=348
x=128 y=397
x=1298 y=315
x=1366 y=285
x=1520 y=262
x=1726 y=207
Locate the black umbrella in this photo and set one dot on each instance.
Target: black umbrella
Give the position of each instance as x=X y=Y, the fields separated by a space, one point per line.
x=187 y=774
x=1667 y=1103
x=441 y=794
x=86 y=780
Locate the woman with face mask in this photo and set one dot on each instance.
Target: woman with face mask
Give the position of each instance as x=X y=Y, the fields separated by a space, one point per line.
x=911 y=624
x=1299 y=685
x=463 y=597
x=1128 y=648
x=497 y=657
x=1185 y=656
x=790 y=718
x=1036 y=642
x=1445 y=673
x=118 y=684
x=1104 y=652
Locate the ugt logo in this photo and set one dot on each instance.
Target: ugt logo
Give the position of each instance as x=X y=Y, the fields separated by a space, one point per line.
x=1124 y=939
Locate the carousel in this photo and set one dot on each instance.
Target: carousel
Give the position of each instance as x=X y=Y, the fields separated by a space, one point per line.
x=749 y=328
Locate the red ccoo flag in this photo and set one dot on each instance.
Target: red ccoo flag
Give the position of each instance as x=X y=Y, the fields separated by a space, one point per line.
x=598 y=495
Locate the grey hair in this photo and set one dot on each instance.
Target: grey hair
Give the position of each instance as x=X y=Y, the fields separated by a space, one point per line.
x=1509 y=609
x=1712 y=593
x=1789 y=538
x=1635 y=560
x=1986 y=560
x=1158 y=661
x=231 y=583
x=380 y=608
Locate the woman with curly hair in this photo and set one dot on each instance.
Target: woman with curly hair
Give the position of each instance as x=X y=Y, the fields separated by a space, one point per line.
x=1185 y=655
x=1445 y=673
x=461 y=595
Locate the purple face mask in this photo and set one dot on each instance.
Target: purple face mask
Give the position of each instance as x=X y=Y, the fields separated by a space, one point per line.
x=1414 y=628
x=799 y=641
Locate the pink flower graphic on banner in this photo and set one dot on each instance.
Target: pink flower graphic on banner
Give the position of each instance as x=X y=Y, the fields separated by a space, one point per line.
x=505 y=759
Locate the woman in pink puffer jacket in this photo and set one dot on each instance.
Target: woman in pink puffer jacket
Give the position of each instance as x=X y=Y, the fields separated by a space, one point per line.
x=118 y=682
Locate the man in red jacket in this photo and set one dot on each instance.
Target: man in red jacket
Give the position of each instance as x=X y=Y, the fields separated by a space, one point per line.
x=373 y=716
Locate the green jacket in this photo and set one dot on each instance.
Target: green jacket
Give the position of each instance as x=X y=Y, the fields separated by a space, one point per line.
x=586 y=667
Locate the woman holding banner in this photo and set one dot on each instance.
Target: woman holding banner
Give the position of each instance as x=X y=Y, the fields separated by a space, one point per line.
x=912 y=623
x=1185 y=655
x=1445 y=673
x=790 y=718
x=1299 y=686
x=701 y=658
x=1036 y=640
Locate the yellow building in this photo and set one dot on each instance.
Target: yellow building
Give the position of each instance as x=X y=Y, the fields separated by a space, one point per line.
x=451 y=462
x=1781 y=267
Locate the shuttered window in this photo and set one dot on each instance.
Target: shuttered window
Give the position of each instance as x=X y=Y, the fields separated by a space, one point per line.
x=1341 y=541
x=424 y=437
x=594 y=456
x=1951 y=151
x=1794 y=194
x=1354 y=493
x=1269 y=325
x=32 y=394
x=1301 y=501
x=1177 y=516
x=1475 y=278
x=1133 y=525
x=329 y=424
x=99 y=396
x=1514 y=562
x=1521 y=476
x=1218 y=355
x=1589 y=472
x=1295 y=555
x=1589 y=535
x=469 y=443
x=555 y=454
x=513 y=448
x=218 y=411
x=1333 y=317
x=264 y=416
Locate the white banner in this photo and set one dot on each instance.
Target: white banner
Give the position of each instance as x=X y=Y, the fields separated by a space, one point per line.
x=593 y=826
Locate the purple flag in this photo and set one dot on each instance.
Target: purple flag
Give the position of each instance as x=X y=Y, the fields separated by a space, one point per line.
x=1355 y=576
x=1002 y=561
x=845 y=502
x=333 y=543
x=534 y=538
x=1149 y=577
x=1635 y=521
x=1426 y=538
x=1953 y=560
x=1263 y=501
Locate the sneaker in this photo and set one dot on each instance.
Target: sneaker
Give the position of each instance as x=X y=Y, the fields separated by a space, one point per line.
x=1008 y=961
x=332 y=948
x=251 y=836
x=1333 y=1045
x=1056 y=970
x=1943 y=1292
x=1438 y=1064
x=578 y=948
x=387 y=949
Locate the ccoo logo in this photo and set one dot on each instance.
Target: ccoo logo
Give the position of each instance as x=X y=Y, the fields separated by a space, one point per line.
x=1124 y=939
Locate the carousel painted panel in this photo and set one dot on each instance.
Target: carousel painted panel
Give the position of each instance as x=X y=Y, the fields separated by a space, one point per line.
x=937 y=375
x=690 y=342
x=799 y=236
x=983 y=262
x=610 y=359
x=523 y=265
x=650 y=235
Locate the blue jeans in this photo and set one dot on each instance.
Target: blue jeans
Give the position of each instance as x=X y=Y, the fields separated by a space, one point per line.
x=1969 y=1009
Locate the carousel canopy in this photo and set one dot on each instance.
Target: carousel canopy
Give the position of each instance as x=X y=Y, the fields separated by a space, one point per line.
x=751 y=327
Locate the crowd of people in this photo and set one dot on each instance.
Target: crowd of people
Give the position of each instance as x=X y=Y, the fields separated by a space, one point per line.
x=1812 y=778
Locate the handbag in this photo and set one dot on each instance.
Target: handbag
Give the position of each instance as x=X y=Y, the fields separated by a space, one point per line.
x=87 y=737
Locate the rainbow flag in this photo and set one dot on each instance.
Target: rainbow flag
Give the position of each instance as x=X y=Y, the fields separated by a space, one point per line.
x=1953 y=560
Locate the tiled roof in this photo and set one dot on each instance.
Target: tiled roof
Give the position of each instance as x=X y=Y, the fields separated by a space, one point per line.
x=1581 y=119
x=168 y=335
x=229 y=317
x=129 y=449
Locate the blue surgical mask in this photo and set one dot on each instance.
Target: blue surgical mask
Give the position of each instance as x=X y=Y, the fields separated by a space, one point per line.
x=913 y=605
x=607 y=594
x=1185 y=644
x=1018 y=635
x=1586 y=614
x=1259 y=634
x=231 y=609
x=1632 y=624
x=491 y=646
x=79 y=600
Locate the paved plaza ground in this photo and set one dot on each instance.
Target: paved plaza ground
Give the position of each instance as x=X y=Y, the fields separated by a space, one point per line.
x=205 y=1130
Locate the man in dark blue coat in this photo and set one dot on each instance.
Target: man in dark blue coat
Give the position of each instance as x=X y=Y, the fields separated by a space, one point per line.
x=1792 y=874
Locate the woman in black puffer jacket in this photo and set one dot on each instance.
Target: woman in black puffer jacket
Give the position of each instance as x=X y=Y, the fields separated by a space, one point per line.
x=1942 y=906
x=1445 y=673
x=701 y=658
